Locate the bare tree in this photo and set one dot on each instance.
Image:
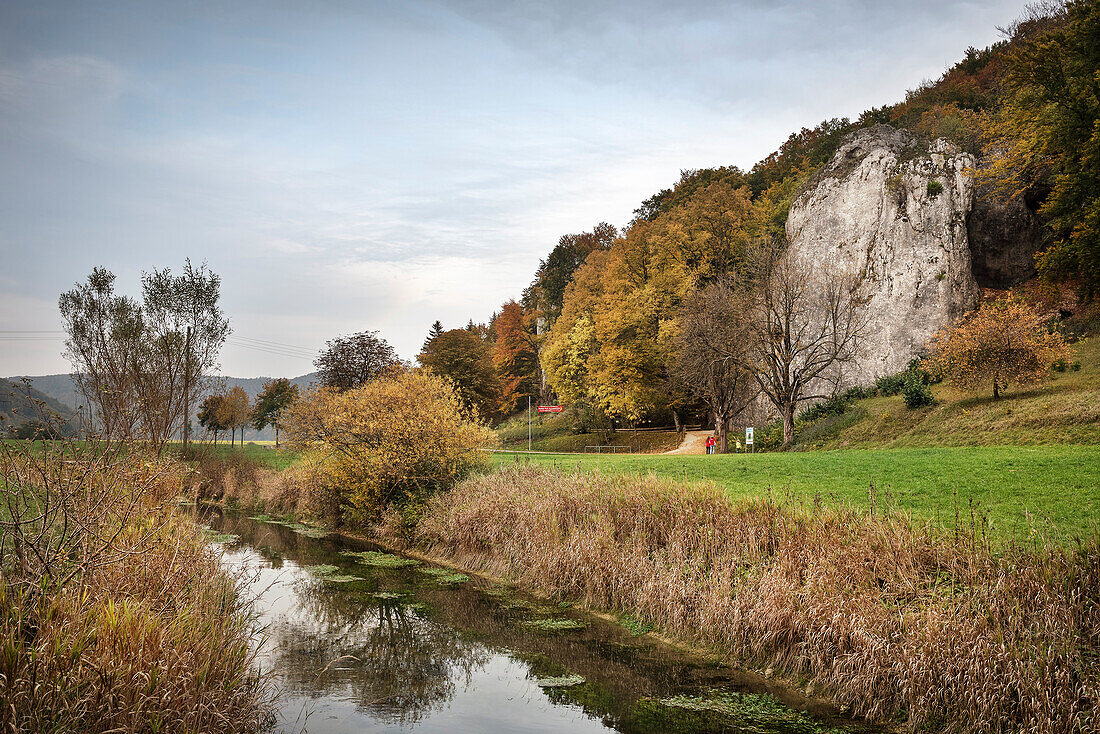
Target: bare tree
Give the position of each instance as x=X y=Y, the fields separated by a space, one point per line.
x=141 y=365
x=805 y=321
x=711 y=352
x=104 y=335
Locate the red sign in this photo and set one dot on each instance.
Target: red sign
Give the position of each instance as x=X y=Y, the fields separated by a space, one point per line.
x=551 y=408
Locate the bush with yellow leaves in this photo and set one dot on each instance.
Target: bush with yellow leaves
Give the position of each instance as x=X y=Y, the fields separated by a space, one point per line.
x=388 y=444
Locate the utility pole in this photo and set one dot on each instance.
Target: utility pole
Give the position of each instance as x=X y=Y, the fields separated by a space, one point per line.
x=187 y=390
x=528 y=424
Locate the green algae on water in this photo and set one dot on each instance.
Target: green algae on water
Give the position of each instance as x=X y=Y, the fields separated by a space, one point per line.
x=341 y=579
x=387 y=595
x=750 y=711
x=379 y=559
x=561 y=681
x=554 y=624
x=444 y=575
x=213 y=536
x=633 y=626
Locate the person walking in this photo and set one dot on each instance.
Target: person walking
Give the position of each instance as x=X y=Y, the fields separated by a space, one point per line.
x=710 y=444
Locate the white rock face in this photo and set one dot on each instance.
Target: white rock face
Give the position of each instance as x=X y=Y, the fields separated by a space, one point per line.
x=892 y=213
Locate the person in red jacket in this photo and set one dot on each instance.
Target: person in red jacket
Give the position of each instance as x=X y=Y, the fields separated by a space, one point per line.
x=711 y=442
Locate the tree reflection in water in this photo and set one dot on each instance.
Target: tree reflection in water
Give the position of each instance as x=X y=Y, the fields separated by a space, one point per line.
x=381 y=654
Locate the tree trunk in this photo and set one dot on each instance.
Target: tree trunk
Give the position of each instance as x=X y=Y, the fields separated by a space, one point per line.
x=676 y=421
x=788 y=425
x=723 y=435
x=276 y=436
x=996 y=392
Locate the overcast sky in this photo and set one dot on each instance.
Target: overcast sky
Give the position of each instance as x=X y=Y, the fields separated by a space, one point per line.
x=380 y=165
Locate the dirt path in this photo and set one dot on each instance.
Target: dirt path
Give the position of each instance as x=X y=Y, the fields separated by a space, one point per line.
x=695 y=442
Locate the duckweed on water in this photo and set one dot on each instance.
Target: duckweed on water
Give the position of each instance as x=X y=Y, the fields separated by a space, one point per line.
x=213 y=536
x=561 y=681
x=554 y=625
x=751 y=711
x=444 y=575
x=331 y=574
x=380 y=560
x=341 y=579
x=387 y=595
x=633 y=626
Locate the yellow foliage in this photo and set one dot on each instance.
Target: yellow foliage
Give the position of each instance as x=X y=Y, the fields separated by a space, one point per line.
x=392 y=441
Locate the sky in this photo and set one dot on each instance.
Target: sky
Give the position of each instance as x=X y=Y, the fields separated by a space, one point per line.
x=348 y=166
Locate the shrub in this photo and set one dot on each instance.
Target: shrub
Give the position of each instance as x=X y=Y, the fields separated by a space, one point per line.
x=888 y=385
x=917 y=394
x=391 y=442
x=935 y=188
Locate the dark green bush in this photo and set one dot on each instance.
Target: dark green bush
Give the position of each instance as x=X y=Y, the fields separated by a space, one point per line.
x=890 y=384
x=935 y=188
x=917 y=394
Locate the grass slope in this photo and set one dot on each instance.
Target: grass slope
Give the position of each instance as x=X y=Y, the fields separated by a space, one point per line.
x=1064 y=411
x=1046 y=489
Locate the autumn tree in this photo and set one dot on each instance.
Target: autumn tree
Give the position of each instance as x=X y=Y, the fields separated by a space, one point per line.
x=711 y=350
x=391 y=442
x=214 y=415
x=238 y=411
x=1002 y=343
x=803 y=322
x=547 y=293
x=348 y=362
x=1046 y=134
x=465 y=358
x=515 y=356
x=271 y=403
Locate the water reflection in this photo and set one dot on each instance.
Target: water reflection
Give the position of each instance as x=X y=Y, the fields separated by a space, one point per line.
x=396 y=650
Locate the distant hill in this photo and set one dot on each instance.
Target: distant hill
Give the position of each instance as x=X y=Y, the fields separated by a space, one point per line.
x=20 y=403
x=61 y=392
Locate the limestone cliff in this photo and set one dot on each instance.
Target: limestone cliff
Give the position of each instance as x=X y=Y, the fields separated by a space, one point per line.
x=892 y=212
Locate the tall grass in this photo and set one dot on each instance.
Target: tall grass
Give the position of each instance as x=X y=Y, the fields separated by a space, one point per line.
x=114 y=613
x=892 y=619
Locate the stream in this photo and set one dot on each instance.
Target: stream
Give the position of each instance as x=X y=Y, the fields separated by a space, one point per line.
x=361 y=640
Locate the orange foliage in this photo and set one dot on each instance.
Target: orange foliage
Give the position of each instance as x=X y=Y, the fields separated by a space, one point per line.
x=1002 y=342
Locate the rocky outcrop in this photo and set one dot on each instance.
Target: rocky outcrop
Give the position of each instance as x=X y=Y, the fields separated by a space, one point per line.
x=892 y=213
x=1004 y=237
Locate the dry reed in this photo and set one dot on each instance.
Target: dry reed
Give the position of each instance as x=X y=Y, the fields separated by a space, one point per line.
x=114 y=613
x=897 y=621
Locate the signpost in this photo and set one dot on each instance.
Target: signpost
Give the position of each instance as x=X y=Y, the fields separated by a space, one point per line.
x=551 y=408
x=748 y=438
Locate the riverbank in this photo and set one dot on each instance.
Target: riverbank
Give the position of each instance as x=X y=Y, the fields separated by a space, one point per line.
x=889 y=618
x=900 y=619
x=115 y=614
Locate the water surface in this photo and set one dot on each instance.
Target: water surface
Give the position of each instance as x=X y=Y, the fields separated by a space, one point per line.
x=360 y=647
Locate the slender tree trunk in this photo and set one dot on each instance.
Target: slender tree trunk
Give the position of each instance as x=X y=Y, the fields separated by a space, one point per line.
x=676 y=420
x=723 y=435
x=276 y=435
x=996 y=391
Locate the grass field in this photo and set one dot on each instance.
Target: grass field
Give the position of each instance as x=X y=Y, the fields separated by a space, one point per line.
x=1021 y=490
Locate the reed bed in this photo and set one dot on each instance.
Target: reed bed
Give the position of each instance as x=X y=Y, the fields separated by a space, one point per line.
x=115 y=615
x=903 y=623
